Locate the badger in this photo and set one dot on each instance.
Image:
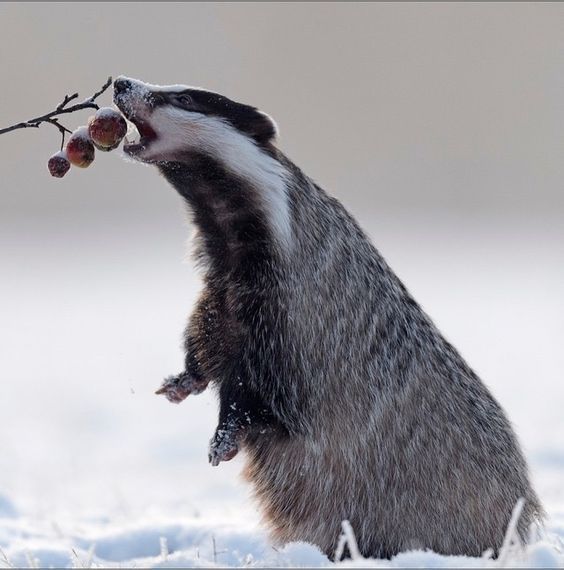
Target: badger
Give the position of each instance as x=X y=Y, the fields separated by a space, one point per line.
x=346 y=400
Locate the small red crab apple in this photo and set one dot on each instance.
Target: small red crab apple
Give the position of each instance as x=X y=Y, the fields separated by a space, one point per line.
x=80 y=150
x=59 y=164
x=107 y=129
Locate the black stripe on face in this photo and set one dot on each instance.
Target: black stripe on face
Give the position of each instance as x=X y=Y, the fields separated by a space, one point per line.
x=245 y=118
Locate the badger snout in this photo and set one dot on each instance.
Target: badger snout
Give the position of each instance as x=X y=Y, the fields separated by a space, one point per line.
x=133 y=98
x=121 y=85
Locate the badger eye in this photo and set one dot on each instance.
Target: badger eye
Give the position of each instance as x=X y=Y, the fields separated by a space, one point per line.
x=184 y=100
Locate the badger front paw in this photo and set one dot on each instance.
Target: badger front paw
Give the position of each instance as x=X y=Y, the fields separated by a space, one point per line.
x=177 y=388
x=224 y=445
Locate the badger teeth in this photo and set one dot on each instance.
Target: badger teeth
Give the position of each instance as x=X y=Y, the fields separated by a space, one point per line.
x=132 y=136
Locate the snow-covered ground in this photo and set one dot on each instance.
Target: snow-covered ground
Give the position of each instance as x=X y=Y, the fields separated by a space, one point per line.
x=162 y=542
x=97 y=470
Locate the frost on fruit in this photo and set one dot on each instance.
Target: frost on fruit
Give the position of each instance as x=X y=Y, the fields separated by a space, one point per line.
x=107 y=129
x=58 y=164
x=80 y=149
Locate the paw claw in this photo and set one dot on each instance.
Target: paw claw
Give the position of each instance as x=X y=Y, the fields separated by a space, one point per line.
x=178 y=388
x=223 y=447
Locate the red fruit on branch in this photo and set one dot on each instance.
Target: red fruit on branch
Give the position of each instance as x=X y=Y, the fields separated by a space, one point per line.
x=80 y=149
x=58 y=164
x=107 y=129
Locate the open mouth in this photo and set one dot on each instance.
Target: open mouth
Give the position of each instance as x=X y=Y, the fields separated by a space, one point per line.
x=139 y=136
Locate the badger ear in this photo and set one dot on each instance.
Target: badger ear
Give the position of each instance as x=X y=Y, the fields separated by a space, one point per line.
x=263 y=128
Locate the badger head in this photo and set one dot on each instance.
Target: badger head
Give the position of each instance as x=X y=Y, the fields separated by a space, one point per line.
x=175 y=120
x=178 y=123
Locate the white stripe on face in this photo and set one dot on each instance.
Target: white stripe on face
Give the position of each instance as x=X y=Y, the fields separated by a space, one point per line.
x=179 y=131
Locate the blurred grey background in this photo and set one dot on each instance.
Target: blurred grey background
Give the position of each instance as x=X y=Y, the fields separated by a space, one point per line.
x=439 y=125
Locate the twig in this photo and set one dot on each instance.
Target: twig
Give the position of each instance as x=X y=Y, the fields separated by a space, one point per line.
x=66 y=100
x=62 y=130
x=340 y=550
x=164 y=548
x=61 y=109
x=5 y=560
x=32 y=562
x=511 y=534
x=351 y=540
x=347 y=539
x=90 y=556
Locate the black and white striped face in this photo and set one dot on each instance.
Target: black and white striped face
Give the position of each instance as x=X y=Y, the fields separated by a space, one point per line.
x=173 y=120
x=177 y=123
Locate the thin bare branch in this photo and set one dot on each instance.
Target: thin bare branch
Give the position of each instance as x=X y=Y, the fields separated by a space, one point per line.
x=66 y=100
x=61 y=109
x=104 y=87
x=63 y=130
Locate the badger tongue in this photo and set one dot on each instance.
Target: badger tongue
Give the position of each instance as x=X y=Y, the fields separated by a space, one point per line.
x=139 y=136
x=145 y=130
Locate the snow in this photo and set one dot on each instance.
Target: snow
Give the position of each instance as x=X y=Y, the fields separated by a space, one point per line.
x=96 y=470
x=61 y=154
x=192 y=542
x=107 y=112
x=81 y=133
x=157 y=542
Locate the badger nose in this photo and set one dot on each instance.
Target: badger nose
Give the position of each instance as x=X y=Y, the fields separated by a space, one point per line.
x=121 y=85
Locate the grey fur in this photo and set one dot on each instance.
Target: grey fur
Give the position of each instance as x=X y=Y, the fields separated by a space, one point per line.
x=347 y=400
x=400 y=436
